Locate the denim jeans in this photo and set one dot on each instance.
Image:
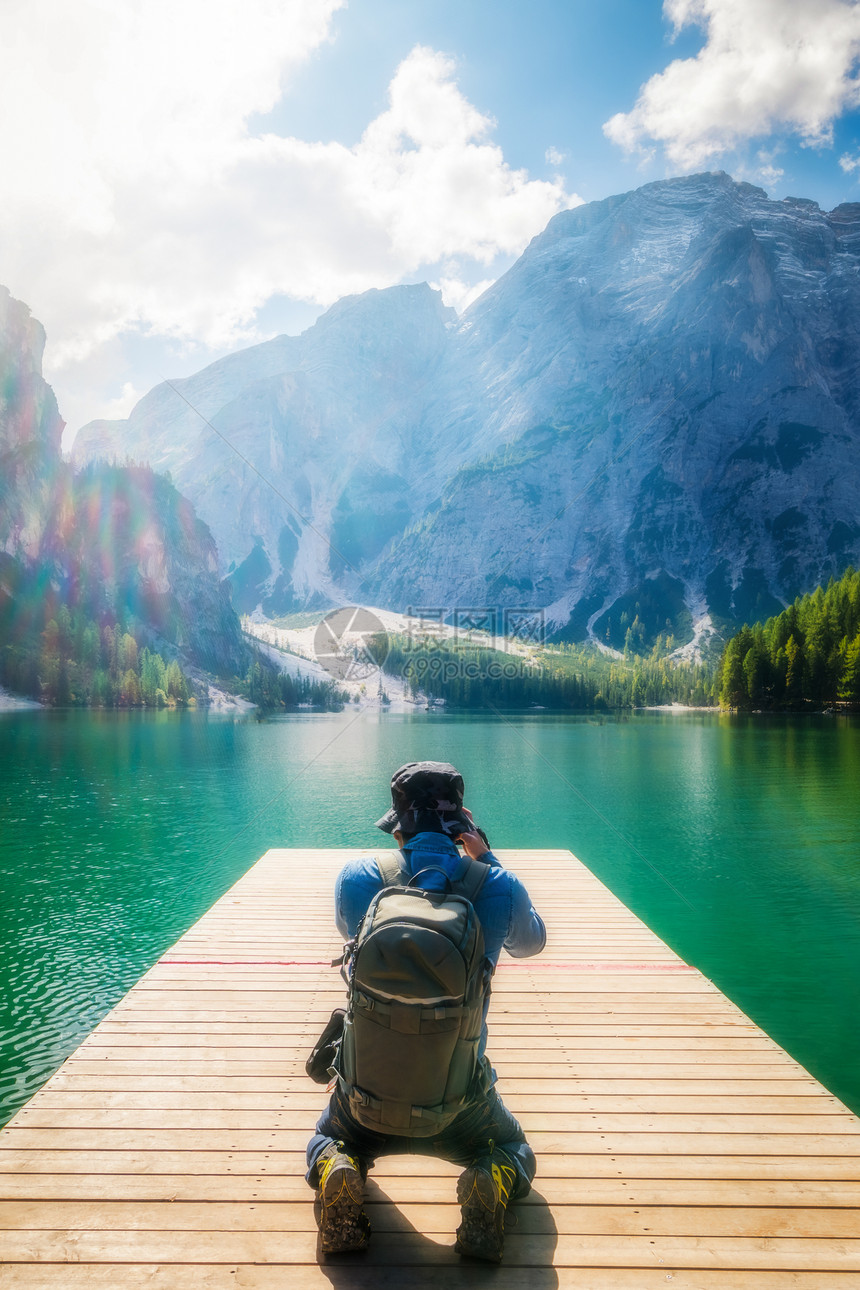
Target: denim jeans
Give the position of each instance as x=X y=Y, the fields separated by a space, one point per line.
x=485 y=1125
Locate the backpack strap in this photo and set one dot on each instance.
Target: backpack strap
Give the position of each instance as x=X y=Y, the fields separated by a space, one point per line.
x=391 y=868
x=392 y=873
x=472 y=878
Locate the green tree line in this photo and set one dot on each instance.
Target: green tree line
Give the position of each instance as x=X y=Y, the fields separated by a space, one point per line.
x=809 y=655
x=272 y=690
x=573 y=677
x=63 y=658
x=74 y=661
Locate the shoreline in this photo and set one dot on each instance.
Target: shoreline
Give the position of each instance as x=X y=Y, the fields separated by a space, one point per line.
x=16 y=702
x=222 y=703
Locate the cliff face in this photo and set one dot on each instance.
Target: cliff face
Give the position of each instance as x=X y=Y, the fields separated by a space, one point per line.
x=655 y=412
x=126 y=542
x=674 y=379
x=296 y=443
x=116 y=541
x=30 y=431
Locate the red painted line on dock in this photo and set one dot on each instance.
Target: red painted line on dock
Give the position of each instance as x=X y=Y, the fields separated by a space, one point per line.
x=597 y=967
x=502 y=967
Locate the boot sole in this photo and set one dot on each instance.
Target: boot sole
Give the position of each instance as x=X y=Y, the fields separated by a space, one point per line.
x=481 y=1233
x=343 y=1224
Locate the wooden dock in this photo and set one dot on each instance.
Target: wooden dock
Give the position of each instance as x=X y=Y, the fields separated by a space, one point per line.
x=677 y=1144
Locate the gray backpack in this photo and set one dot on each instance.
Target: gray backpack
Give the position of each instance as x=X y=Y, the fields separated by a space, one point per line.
x=417 y=978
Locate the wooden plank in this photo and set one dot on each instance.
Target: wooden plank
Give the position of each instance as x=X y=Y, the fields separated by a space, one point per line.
x=169 y=1149
x=434 y=1187
x=43 y=1110
x=359 y=1276
x=405 y=1247
x=510 y=1027
x=438 y=1215
x=513 y=1073
x=635 y=1141
x=542 y=1035
x=566 y=1124
x=133 y=1009
x=280 y=1163
x=298 y=1005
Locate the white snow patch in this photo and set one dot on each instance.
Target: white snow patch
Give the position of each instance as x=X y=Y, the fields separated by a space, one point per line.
x=224 y=702
x=292 y=650
x=703 y=630
x=15 y=702
x=589 y=627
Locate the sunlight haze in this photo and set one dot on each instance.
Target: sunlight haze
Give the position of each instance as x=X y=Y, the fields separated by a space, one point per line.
x=184 y=180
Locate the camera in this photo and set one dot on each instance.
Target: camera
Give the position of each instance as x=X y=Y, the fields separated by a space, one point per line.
x=481 y=834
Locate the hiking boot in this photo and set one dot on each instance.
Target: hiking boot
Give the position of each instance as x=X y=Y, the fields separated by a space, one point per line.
x=340 y=1215
x=482 y=1193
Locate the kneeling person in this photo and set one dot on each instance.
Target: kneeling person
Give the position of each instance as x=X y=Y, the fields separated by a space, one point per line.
x=412 y=1072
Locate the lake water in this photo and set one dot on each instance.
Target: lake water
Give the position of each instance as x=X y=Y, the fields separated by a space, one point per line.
x=737 y=839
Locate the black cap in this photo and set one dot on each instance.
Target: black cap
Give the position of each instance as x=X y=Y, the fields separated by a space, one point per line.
x=426 y=796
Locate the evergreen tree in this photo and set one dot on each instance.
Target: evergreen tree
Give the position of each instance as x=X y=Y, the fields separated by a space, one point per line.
x=127 y=654
x=803 y=655
x=849 y=680
x=130 y=690
x=754 y=670
x=733 y=690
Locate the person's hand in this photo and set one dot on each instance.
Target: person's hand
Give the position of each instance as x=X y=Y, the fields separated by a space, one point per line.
x=473 y=844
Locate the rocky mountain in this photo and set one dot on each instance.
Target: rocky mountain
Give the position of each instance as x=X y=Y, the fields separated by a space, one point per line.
x=126 y=543
x=115 y=543
x=30 y=431
x=650 y=423
x=297 y=451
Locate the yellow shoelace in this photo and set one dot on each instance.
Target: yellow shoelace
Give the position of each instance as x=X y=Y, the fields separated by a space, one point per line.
x=503 y=1177
x=329 y=1166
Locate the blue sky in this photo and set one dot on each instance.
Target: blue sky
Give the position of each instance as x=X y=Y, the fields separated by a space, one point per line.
x=550 y=73
x=186 y=178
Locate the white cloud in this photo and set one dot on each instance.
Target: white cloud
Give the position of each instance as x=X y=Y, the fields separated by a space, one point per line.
x=761 y=170
x=122 y=121
x=117 y=409
x=555 y=157
x=426 y=173
x=458 y=294
x=766 y=66
x=142 y=206
x=850 y=164
x=770 y=175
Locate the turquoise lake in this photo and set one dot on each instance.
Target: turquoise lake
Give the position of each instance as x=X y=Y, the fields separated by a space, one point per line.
x=737 y=839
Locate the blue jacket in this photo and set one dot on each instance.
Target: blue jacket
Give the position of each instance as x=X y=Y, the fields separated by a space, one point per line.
x=504 y=908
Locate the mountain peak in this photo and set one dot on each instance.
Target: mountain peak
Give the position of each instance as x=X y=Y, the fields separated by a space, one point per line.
x=655 y=406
